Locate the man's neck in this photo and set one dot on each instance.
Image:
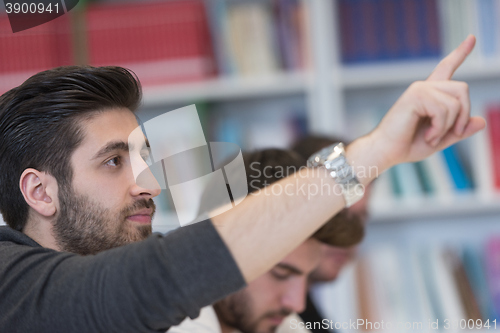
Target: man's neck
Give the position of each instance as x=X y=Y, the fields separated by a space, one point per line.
x=41 y=232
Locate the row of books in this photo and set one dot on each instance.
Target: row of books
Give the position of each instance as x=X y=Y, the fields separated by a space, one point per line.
x=471 y=167
x=163 y=41
x=478 y=17
x=442 y=176
x=186 y=40
x=27 y=52
x=418 y=289
x=378 y=30
x=198 y=38
x=259 y=37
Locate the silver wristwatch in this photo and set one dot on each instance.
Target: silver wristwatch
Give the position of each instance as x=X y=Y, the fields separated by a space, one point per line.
x=334 y=160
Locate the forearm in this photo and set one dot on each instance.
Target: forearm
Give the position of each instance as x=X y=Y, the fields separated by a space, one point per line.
x=270 y=223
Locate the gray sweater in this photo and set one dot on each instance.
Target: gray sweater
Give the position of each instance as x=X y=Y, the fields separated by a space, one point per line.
x=142 y=287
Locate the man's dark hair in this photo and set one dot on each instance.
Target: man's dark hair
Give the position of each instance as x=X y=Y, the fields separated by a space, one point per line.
x=311 y=144
x=268 y=166
x=351 y=231
x=39 y=124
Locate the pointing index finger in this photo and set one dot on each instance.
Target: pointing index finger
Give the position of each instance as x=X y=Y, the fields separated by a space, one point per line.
x=445 y=69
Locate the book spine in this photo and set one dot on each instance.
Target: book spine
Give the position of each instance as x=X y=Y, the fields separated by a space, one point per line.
x=493 y=273
x=493 y=120
x=456 y=169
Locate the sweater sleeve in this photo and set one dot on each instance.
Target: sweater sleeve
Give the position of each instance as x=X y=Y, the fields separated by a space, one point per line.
x=142 y=287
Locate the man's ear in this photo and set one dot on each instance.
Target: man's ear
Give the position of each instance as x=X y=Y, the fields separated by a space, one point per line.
x=39 y=189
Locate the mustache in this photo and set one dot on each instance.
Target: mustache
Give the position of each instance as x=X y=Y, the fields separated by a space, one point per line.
x=139 y=204
x=280 y=313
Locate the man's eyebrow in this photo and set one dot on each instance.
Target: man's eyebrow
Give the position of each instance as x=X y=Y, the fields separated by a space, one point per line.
x=111 y=147
x=292 y=269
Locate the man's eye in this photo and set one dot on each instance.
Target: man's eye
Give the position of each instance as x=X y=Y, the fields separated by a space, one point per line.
x=114 y=162
x=280 y=276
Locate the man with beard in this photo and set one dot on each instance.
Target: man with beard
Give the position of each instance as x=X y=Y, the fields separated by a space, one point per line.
x=65 y=157
x=272 y=299
x=333 y=258
x=71 y=201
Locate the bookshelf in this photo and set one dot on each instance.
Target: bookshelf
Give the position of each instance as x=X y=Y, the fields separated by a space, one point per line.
x=338 y=95
x=333 y=91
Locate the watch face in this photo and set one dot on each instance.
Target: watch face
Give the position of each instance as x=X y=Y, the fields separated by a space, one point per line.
x=326 y=154
x=333 y=159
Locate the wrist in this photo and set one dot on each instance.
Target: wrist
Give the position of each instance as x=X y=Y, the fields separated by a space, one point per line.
x=367 y=159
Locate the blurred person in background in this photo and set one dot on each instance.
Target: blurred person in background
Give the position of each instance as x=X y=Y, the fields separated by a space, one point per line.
x=350 y=225
x=275 y=297
x=148 y=286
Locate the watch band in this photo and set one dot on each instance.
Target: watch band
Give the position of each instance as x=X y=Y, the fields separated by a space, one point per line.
x=334 y=160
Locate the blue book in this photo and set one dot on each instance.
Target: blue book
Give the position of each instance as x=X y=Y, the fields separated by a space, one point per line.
x=407 y=178
x=476 y=274
x=425 y=178
x=428 y=18
x=488 y=17
x=460 y=178
x=217 y=17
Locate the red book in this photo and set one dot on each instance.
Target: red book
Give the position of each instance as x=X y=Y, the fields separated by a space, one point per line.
x=30 y=51
x=493 y=121
x=160 y=41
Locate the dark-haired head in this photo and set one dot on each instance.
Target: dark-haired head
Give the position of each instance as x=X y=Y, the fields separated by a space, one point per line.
x=268 y=166
x=39 y=124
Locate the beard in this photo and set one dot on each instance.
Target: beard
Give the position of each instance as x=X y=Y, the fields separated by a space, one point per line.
x=236 y=312
x=85 y=227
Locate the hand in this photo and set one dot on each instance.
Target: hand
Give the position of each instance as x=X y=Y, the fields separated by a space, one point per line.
x=430 y=115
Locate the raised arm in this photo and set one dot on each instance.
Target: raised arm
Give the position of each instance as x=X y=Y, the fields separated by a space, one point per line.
x=428 y=117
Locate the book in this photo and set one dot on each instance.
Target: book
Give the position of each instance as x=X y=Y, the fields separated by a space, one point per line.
x=50 y=42
x=487 y=30
x=482 y=169
x=467 y=297
x=460 y=178
x=252 y=38
x=381 y=30
x=493 y=121
x=219 y=32
x=415 y=288
x=473 y=262
x=162 y=42
x=389 y=293
x=407 y=182
x=435 y=169
x=493 y=273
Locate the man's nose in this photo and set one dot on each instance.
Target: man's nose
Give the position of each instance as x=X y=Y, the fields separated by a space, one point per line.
x=146 y=185
x=294 y=297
